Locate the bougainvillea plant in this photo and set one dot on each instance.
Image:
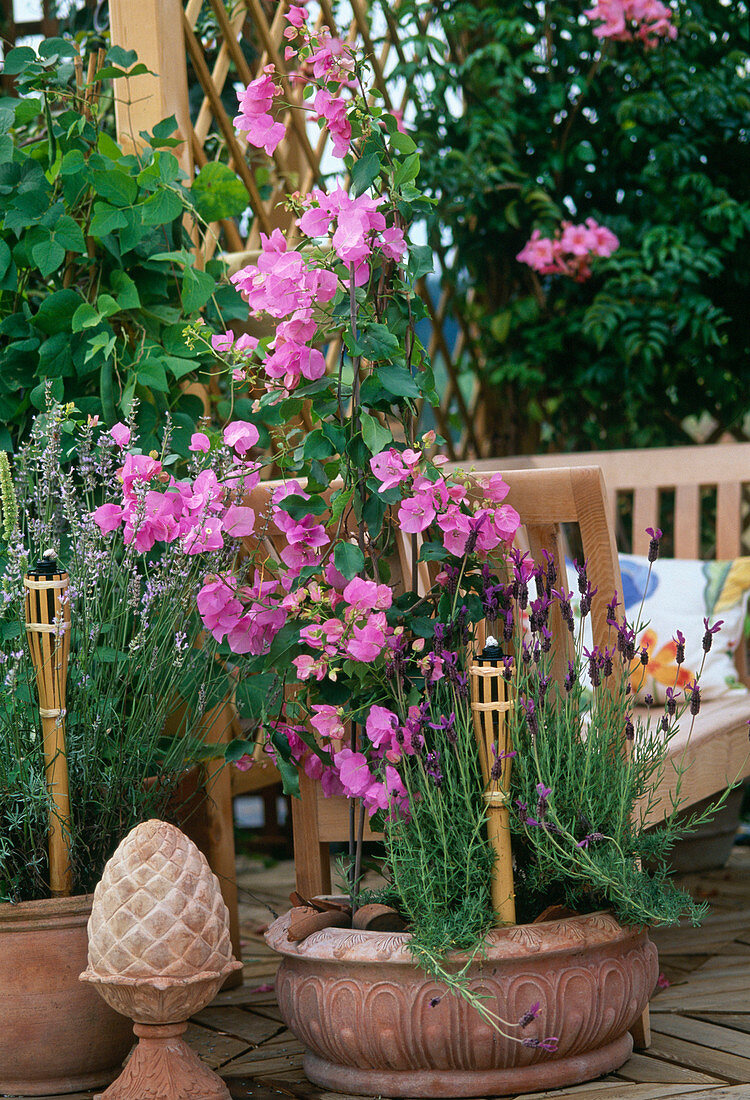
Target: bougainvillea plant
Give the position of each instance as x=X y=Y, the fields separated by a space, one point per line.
x=356 y=635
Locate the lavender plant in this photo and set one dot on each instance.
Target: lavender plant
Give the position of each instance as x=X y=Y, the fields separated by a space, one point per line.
x=135 y=666
x=587 y=769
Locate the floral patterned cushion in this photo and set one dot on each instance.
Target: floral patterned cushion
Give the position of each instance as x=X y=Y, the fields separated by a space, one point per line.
x=678 y=595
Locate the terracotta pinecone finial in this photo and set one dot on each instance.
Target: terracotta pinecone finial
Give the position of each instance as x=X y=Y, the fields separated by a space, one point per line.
x=158 y=910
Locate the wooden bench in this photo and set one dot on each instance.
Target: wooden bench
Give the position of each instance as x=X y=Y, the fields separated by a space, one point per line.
x=670 y=488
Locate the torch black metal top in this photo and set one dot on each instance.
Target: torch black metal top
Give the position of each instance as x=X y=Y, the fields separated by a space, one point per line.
x=47 y=566
x=491 y=652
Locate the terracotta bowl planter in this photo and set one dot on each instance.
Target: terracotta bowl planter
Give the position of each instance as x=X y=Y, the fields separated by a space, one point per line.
x=56 y=1034
x=363 y=1008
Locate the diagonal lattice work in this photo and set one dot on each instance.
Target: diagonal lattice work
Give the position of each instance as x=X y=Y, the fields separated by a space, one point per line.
x=227 y=44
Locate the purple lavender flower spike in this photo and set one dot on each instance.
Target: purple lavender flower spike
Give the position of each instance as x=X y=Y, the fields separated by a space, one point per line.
x=653 y=547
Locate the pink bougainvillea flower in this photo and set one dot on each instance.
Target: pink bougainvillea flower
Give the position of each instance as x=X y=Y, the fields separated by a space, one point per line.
x=354 y=772
x=296 y=15
x=255 y=119
x=218 y=606
x=327 y=720
x=308 y=666
x=392 y=244
x=138 y=468
x=121 y=434
x=333 y=110
x=238 y=521
x=204 y=537
x=226 y=341
x=199 y=442
x=366 y=641
x=506 y=521
x=495 y=488
x=416 y=513
x=108 y=517
x=366 y=595
x=380 y=726
x=241 y=435
x=389 y=468
x=331 y=58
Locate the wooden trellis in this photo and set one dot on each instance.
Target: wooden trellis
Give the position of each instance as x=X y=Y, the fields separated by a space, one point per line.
x=210 y=34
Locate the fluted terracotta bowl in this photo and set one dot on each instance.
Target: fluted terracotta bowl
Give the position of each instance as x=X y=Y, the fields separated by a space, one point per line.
x=368 y=1016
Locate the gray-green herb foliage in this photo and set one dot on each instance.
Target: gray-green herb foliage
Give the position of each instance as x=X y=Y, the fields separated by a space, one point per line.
x=97 y=276
x=524 y=118
x=140 y=689
x=587 y=773
x=439 y=858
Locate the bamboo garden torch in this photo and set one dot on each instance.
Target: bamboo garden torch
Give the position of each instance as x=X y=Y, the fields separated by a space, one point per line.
x=48 y=633
x=490 y=706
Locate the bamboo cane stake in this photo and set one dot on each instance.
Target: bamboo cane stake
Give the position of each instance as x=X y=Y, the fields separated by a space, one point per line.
x=490 y=706
x=48 y=633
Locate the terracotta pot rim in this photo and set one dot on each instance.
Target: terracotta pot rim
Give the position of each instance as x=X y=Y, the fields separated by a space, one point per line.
x=15 y=913
x=576 y=933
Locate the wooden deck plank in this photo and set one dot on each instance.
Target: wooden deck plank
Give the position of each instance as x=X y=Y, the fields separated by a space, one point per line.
x=642 y=1068
x=730 y=1067
x=735 y=1020
x=238 y=1023
x=616 y=1089
x=213 y=1047
x=706 y=1034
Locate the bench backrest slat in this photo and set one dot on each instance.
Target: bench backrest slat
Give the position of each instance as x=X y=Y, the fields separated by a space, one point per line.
x=721 y=468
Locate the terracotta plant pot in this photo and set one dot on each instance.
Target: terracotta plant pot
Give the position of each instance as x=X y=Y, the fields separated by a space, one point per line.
x=368 y=1016
x=56 y=1034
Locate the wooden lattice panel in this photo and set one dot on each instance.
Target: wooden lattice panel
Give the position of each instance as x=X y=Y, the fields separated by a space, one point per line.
x=215 y=32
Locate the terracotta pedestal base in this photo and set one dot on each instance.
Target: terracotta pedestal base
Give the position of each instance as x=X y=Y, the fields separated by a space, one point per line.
x=455 y=1082
x=163 y=1067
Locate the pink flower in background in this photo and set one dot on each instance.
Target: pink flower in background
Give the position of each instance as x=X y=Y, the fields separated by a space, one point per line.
x=602 y=241
x=575 y=239
x=255 y=119
x=121 y=434
x=624 y=20
x=538 y=252
x=199 y=442
x=108 y=517
x=570 y=251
